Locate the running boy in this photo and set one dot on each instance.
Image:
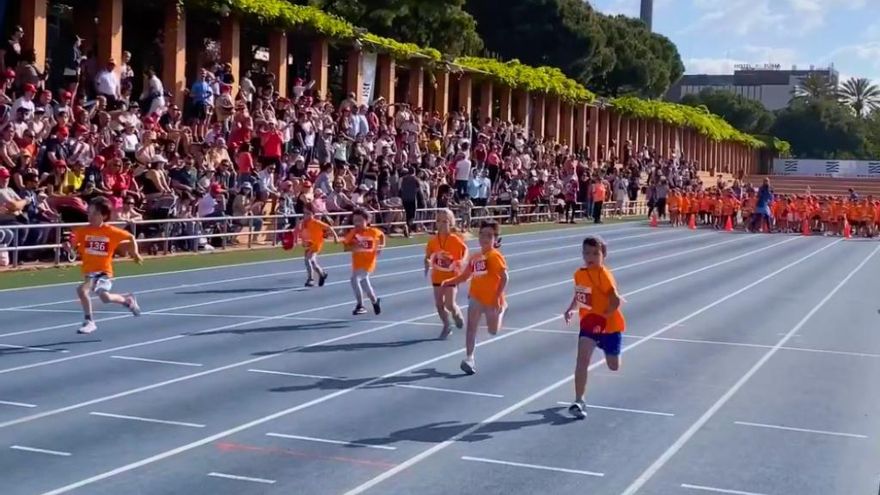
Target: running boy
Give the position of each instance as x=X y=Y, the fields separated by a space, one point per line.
x=601 y=322
x=489 y=271
x=96 y=244
x=365 y=244
x=444 y=255
x=312 y=233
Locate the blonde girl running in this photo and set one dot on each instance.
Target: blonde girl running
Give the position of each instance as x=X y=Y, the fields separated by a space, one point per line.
x=444 y=255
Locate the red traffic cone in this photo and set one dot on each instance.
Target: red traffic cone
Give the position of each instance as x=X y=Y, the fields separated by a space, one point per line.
x=653 y=220
x=692 y=222
x=805 y=229
x=728 y=225
x=847 y=230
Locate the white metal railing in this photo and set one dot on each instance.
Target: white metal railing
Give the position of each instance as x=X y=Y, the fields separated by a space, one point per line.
x=161 y=235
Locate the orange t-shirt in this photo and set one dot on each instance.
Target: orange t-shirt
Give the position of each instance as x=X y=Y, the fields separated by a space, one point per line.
x=486 y=270
x=96 y=246
x=592 y=288
x=674 y=202
x=365 y=245
x=446 y=254
x=312 y=234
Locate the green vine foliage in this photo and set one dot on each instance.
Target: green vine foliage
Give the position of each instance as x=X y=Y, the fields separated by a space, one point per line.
x=401 y=51
x=520 y=76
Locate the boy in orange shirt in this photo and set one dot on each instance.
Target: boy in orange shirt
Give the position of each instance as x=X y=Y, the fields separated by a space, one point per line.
x=601 y=322
x=444 y=255
x=96 y=244
x=311 y=233
x=489 y=271
x=366 y=244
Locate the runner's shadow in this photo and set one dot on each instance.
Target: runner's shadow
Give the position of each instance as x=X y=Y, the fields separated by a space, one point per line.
x=329 y=384
x=302 y=327
x=445 y=430
x=10 y=351
x=364 y=346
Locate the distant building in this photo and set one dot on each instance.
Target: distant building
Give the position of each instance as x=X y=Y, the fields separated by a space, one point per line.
x=768 y=84
x=646 y=14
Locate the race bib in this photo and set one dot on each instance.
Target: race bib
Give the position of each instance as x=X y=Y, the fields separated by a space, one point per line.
x=443 y=262
x=363 y=244
x=479 y=267
x=97 y=245
x=584 y=297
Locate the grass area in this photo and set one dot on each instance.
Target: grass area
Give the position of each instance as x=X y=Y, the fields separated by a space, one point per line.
x=14 y=279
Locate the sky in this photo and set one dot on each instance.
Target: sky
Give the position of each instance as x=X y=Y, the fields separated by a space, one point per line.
x=714 y=35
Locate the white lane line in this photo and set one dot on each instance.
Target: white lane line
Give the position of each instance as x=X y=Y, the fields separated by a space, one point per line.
x=338 y=282
x=146 y=420
x=319 y=400
x=588 y=228
x=40 y=451
x=532 y=466
x=717 y=490
x=157 y=361
x=298 y=375
x=447 y=390
x=702 y=420
x=333 y=442
x=564 y=381
x=801 y=430
x=349 y=303
x=622 y=409
x=761 y=346
x=16 y=404
x=241 y=478
x=29 y=348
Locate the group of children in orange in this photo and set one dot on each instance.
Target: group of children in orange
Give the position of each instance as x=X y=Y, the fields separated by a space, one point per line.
x=790 y=213
x=447 y=261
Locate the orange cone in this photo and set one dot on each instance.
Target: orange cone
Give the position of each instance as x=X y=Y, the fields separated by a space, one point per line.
x=692 y=222
x=728 y=225
x=847 y=230
x=805 y=230
x=653 y=220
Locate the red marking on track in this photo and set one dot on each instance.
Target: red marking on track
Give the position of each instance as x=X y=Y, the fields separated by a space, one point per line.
x=237 y=447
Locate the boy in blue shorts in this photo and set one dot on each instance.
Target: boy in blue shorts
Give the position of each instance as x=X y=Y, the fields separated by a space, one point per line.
x=601 y=322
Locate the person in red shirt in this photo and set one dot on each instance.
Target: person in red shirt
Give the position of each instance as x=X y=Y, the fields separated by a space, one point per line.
x=271 y=144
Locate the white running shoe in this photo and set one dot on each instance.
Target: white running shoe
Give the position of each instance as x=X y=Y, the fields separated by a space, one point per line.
x=468 y=366
x=87 y=327
x=132 y=304
x=578 y=409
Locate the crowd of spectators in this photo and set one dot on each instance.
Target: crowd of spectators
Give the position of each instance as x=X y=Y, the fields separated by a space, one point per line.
x=251 y=153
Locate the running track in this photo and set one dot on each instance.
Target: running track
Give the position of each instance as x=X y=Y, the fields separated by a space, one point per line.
x=750 y=368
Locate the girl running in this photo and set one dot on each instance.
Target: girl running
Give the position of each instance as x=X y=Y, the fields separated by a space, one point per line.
x=96 y=244
x=444 y=255
x=601 y=322
x=312 y=233
x=489 y=271
x=366 y=244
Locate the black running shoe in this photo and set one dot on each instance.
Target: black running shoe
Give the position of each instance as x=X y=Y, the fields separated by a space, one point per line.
x=322 y=279
x=377 y=308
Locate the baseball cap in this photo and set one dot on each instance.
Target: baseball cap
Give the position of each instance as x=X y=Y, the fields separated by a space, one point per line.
x=30 y=88
x=4 y=173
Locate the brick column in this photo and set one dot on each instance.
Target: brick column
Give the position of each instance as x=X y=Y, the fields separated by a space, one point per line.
x=537 y=115
x=567 y=125
x=416 y=86
x=33 y=21
x=353 y=77
x=320 y=61
x=505 y=99
x=486 y=97
x=441 y=93
x=465 y=94
x=387 y=74
x=230 y=47
x=551 y=124
x=593 y=131
x=278 y=60
x=604 y=130
x=521 y=112
x=174 y=52
x=581 y=115
x=109 y=31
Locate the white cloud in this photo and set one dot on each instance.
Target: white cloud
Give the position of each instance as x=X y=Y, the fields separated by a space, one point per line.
x=711 y=65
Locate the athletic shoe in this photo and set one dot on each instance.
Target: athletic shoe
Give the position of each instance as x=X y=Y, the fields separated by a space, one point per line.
x=359 y=310
x=578 y=409
x=447 y=331
x=376 y=307
x=459 y=320
x=322 y=279
x=468 y=366
x=87 y=327
x=310 y=283
x=132 y=304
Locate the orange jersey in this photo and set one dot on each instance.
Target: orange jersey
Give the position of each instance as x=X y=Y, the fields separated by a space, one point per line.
x=365 y=245
x=312 y=234
x=96 y=246
x=486 y=271
x=674 y=202
x=446 y=253
x=593 y=287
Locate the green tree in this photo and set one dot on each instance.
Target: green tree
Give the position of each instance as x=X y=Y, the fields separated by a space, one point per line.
x=747 y=115
x=822 y=128
x=861 y=95
x=815 y=87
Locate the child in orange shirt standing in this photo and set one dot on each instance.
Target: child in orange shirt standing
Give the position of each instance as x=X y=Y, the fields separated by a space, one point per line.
x=366 y=244
x=489 y=271
x=311 y=233
x=444 y=255
x=601 y=322
x=96 y=244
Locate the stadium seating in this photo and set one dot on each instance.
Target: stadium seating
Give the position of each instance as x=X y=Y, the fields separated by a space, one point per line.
x=818 y=185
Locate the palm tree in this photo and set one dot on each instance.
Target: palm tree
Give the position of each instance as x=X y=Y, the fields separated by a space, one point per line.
x=860 y=94
x=815 y=87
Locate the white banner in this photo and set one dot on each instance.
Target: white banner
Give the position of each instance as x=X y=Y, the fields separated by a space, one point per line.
x=827 y=168
x=368 y=75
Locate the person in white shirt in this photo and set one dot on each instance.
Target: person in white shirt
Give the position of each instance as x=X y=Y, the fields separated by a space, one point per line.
x=462 y=171
x=107 y=84
x=26 y=101
x=153 y=95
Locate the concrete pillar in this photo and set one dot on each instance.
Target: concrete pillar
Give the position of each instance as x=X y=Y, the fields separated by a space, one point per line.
x=521 y=112
x=486 y=101
x=109 y=31
x=387 y=69
x=354 y=78
x=416 y=86
x=538 y=109
x=174 y=62
x=593 y=132
x=566 y=125
x=551 y=119
x=33 y=21
x=320 y=62
x=505 y=100
x=441 y=93
x=278 y=60
x=230 y=47
x=465 y=94
x=604 y=133
x=581 y=116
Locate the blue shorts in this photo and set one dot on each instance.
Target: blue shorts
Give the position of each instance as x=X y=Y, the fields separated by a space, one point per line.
x=610 y=343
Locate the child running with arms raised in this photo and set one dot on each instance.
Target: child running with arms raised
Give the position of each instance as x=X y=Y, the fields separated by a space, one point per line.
x=312 y=233
x=601 y=322
x=444 y=255
x=365 y=244
x=97 y=244
x=488 y=273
